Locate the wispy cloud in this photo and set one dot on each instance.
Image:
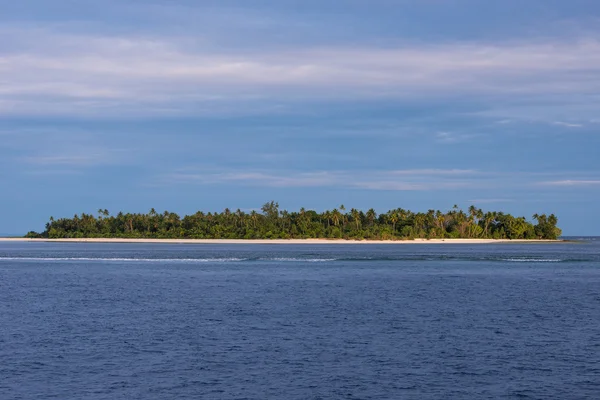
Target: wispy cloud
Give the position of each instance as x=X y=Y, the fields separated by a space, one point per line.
x=70 y=160
x=490 y=201
x=53 y=172
x=433 y=172
x=568 y=124
x=58 y=147
x=395 y=180
x=73 y=156
x=484 y=182
x=57 y=72
x=572 y=182
x=452 y=137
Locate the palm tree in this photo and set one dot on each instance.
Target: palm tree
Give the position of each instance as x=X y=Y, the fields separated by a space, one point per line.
x=343 y=216
x=419 y=222
x=371 y=215
x=356 y=217
x=285 y=216
x=479 y=216
x=275 y=223
x=326 y=215
x=254 y=218
x=471 y=219
x=461 y=221
x=488 y=218
x=239 y=214
x=335 y=217
x=393 y=216
x=440 y=219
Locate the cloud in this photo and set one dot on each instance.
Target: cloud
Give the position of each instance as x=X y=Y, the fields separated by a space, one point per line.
x=70 y=155
x=567 y=124
x=70 y=160
x=490 y=201
x=394 y=180
x=53 y=172
x=54 y=147
x=53 y=72
x=451 y=137
x=433 y=172
x=571 y=183
x=483 y=182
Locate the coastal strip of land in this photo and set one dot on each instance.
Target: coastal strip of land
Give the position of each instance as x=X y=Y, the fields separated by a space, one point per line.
x=279 y=241
x=276 y=224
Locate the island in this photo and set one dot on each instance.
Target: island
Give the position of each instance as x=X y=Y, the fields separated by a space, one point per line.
x=270 y=223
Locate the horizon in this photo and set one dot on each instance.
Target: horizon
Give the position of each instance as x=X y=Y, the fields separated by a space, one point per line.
x=186 y=106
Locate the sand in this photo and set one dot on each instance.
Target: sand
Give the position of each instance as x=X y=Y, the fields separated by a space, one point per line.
x=280 y=241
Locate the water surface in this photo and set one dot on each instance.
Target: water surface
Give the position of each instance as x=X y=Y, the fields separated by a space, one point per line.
x=161 y=321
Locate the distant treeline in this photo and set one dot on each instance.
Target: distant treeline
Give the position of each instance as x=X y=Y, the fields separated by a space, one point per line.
x=273 y=223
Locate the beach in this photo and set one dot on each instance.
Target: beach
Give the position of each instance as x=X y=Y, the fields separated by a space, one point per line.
x=279 y=241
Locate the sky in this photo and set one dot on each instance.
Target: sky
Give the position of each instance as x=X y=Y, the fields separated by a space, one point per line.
x=187 y=105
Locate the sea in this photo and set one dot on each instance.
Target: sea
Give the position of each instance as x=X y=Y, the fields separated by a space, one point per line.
x=248 y=321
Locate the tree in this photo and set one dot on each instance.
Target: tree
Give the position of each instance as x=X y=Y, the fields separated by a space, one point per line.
x=276 y=223
x=271 y=210
x=355 y=217
x=546 y=227
x=393 y=217
x=371 y=215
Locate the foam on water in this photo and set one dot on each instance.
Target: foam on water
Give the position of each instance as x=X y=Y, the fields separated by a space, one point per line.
x=291 y=259
x=464 y=258
x=103 y=259
x=536 y=260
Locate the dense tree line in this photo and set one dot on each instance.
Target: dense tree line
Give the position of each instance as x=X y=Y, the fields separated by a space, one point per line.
x=273 y=223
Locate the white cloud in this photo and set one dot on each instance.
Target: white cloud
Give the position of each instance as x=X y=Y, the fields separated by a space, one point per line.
x=490 y=201
x=452 y=137
x=572 y=182
x=568 y=124
x=484 y=182
x=433 y=172
x=69 y=160
x=46 y=71
x=69 y=155
x=53 y=172
x=396 y=180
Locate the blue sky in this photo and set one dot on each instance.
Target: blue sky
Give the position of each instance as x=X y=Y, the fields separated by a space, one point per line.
x=188 y=105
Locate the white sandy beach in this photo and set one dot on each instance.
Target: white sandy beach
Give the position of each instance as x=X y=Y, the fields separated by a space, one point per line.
x=280 y=241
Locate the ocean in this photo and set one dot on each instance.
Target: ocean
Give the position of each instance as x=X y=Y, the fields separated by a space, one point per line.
x=413 y=321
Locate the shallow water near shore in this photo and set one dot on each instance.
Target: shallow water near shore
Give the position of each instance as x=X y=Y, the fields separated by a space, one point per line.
x=246 y=321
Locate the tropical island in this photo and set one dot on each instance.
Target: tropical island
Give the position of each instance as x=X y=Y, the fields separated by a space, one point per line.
x=273 y=223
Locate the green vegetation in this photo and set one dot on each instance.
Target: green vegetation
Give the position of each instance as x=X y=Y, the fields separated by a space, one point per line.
x=273 y=223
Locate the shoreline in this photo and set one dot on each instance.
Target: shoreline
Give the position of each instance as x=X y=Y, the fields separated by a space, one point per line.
x=282 y=241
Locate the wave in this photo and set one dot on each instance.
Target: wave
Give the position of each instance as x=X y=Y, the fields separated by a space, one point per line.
x=465 y=258
x=535 y=260
x=167 y=260
x=158 y=260
x=408 y=258
x=291 y=259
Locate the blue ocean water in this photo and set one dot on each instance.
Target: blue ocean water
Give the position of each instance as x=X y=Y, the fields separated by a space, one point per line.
x=124 y=321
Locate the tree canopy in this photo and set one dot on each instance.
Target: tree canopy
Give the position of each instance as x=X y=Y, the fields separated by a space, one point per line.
x=273 y=223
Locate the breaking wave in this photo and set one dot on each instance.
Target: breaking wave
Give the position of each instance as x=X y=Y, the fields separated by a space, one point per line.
x=535 y=260
x=330 y=259
x=157 y=260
